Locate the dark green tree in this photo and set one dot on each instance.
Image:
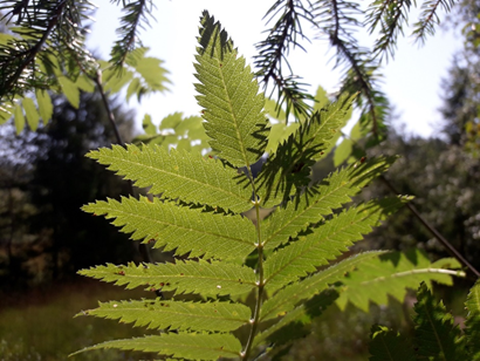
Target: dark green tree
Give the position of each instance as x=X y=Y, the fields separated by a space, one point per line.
x=60 y=179
x=64 y=179
x=444 y=179
x=461 y=88
x=17 y=155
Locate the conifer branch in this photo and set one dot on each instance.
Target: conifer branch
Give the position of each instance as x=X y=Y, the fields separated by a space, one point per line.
x=24 y=58
x=358 y=80
x=429 y=18
x=339 y=21
x=111 y=117
x=45 y=36
x=142 y=248
x=273 y=50
x=137 y=13
x=391 y=15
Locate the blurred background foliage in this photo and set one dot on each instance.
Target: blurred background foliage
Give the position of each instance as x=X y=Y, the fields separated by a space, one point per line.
x=45 y=238
x=45 y=180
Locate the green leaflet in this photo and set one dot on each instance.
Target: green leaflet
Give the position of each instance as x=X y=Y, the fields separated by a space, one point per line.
x=229 y=95
x=188 y=345
x=330 y=194
x=180 y=228
x=45 y=106
x=148 y=127
x=387 y=345
x=177 y=315
x=207 y=278
x=290 y=326
x=19 y=118
x=176 y=131
x=278 y=133
x=152 y=73
x=143 y=75
x=287 y=298
x=6 y=111
x=186 y=176
x=326 y=242
x=71 y=91
x=135 y=87
x=31 y=112
x=343 y=152
x=390 y=275
x=289 y=168
x=436 y=337
x=434 y=330
x=472 y=322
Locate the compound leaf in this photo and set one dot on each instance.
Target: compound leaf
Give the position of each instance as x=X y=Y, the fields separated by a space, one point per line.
x=289 y=168
x=287 y=328
x=287 y=298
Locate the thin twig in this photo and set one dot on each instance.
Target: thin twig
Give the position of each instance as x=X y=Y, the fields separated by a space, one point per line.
x=453 y=252
x=111 y=116
x=364 y=83
x=142 y=248
x=33 y=51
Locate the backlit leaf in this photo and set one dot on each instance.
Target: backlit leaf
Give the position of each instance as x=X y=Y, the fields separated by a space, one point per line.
x=19 y=119
x=200 y=277
x=391 y=275
x=178 y=315
x=31 y=112
x=178 y=174
x=187 y=345
x=229 y=96
x=70 y=90
x=45 y=106
x=179 y=228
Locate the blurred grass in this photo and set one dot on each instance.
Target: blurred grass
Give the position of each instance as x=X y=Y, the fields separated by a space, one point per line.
x=344 y=336
x=39 y=324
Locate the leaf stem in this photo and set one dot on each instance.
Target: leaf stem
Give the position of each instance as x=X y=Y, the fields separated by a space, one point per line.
x=453 y=252
x=142 y=248
x=111 y=117
x=260 y=282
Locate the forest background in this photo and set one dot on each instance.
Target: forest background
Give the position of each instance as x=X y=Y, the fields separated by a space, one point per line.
x=45 y=179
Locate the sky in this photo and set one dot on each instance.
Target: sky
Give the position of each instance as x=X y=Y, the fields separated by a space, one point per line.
x=412 y=80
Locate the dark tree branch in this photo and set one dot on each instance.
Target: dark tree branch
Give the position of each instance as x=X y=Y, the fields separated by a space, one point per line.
x=361 y=78
x=453 y=252
x=31 y=53
x=142 y=247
